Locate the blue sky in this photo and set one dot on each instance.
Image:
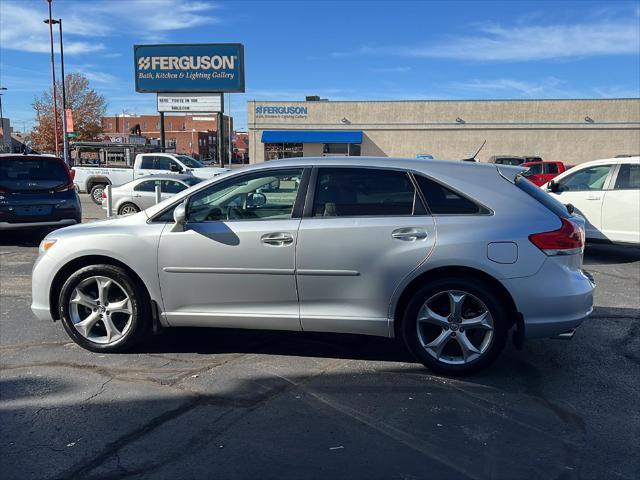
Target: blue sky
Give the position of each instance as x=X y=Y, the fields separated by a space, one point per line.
x=341 y=50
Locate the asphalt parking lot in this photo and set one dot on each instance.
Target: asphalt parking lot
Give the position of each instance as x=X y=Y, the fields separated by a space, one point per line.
x=225 y=404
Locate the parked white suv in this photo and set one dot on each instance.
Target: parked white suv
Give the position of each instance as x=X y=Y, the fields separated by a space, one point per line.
x=607 y=194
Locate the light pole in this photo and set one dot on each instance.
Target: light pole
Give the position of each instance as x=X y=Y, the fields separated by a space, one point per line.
x=53 y=81
x=65 y=140
x=1 y=116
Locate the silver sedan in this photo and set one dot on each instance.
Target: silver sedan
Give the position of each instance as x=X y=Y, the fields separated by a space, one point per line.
x=139 y=194
x=449 y=257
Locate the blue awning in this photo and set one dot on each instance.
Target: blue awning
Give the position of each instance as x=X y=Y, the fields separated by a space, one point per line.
x=312 y=136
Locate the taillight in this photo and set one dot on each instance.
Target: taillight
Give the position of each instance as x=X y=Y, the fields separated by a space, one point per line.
x=104 y=195
x=72 y=172
x=567 y=240
x=64 y=188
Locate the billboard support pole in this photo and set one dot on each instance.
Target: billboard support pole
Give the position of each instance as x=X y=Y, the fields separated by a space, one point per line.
x=162 y=139
x=221 y=149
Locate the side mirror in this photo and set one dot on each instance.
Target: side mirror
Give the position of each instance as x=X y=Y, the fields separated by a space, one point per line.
x=176 y=168
x=180 y=214
x=553 y=186
x=256 y=200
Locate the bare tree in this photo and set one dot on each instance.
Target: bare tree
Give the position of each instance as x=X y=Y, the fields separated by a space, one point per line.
x=87 y=106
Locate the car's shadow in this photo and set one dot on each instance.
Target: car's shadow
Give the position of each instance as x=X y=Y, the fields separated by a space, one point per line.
x=605 y=254
x=208 y=341
x=23 y=238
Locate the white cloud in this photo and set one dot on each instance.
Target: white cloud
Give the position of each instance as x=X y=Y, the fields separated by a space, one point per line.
x=495 y=43
x=22 y=27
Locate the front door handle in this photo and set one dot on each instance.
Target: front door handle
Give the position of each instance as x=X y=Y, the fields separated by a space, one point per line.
x=409 y=234
x=277 y=239
x=593 y=197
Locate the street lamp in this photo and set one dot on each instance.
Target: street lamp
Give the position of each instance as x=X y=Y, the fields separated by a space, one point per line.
x=65 y=139
x=2 y=116
x=53 y=80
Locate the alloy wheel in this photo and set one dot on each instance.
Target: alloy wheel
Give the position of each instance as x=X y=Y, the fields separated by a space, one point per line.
x=128 y=210
x=97 y=195
x=100 y=310
x=455 y=327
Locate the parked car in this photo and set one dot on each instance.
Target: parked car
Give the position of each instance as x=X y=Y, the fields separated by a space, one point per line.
x=507 y=159
x=607 y=194
x=540 y=173
x=447 y=256
x=36 y=191
x=93 y=178
x=139 y=194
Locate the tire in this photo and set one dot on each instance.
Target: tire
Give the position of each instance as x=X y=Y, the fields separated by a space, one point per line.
x=96 y=193
x=99 y=321
x=128 y=209
x=453 y=336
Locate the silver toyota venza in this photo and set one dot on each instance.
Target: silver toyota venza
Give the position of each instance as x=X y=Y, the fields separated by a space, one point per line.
x=448 y=256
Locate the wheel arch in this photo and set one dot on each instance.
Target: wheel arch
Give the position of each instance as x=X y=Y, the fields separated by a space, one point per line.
x=420 y=280
x=96 y=180
x=77 y=263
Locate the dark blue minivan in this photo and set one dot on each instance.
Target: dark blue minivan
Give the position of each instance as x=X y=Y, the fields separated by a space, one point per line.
x=36 y=191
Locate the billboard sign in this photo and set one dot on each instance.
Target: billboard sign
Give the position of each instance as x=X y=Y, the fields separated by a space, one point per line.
x=192 y=102
x=184 y=68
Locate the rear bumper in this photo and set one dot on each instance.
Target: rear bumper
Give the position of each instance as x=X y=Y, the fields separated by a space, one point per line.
x=554 y=301
x=56 y=223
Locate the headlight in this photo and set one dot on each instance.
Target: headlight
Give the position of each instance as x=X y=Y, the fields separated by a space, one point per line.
x=46 y=244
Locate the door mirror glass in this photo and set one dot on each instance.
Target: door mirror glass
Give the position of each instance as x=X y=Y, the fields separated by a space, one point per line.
x=255 y=200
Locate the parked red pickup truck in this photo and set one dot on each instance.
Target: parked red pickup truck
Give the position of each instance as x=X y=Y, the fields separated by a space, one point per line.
x=540 y=173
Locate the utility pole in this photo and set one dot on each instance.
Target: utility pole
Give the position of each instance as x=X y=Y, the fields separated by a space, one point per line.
x=220 y=142
x=65 y=139
x=2 y=117
x=53 y=82
x=230 y=134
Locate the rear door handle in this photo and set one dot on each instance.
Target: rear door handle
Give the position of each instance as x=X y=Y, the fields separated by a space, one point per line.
x=277 y=239
x=409 y=234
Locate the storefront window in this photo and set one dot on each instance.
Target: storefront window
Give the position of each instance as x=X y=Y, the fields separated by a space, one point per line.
x=338 y=149
x=274 y=151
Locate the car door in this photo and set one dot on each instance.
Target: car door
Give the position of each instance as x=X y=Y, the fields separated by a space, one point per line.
x=584 y=188
x=144 y=193
x=621 y=206
x=233 y=264
x=549 y=171
x=148 y=166
x=363 y=231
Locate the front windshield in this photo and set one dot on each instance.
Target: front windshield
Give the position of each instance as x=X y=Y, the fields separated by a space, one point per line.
x=189 y=162
x=31 y=174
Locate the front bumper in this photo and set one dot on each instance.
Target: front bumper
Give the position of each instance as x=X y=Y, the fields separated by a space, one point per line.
x=25 y=225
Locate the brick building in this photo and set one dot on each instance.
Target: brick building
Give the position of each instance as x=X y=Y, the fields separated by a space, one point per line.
x=241 y=147
x=192 y=134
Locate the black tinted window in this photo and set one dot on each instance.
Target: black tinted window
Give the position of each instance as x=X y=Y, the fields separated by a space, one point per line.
x=628 y=177
x=148 y=186
x=363 y=192
x=550 y=168
x=147 y=163
x=171 y=186
x=25 y=174
x=443 y=200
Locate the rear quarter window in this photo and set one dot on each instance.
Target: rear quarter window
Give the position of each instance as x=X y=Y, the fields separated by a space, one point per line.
x=442 y=200
x=543 y=197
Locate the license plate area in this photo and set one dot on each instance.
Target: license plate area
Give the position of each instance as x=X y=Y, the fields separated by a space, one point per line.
x=33 y=210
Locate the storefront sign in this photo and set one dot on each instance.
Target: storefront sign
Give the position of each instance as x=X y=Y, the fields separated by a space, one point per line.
x=194 y=102
x=281 y=111
x=213 y=67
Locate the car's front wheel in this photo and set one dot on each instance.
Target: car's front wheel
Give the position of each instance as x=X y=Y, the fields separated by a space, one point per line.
x=455 y=326
x=103 y=309
x=128 y=209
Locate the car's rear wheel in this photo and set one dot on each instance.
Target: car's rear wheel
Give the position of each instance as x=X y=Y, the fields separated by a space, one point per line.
x=103 y=309
x=96 y=193
x=455 y=326
x=128 y=209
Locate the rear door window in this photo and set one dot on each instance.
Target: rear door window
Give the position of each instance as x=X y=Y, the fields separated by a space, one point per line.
x=147 y=162
x=628 y=177
x=550 y=168
x=364 y=192
x=442 y=200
